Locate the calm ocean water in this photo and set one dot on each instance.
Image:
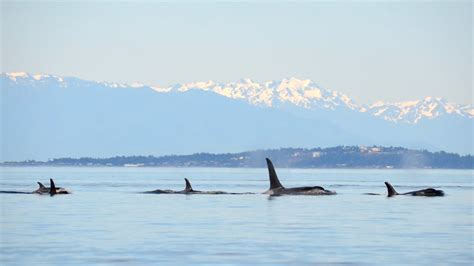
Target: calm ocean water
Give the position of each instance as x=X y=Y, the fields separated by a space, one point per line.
x=105 y=221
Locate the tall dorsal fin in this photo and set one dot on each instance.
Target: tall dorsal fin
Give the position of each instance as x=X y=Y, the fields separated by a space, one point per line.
x=274 y=182
x=188 y=185
x=52 y=189
x=391 y=191
x=40 y=184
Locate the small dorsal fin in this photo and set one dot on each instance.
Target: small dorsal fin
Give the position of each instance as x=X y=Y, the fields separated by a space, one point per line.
x=391 y=191
x=188 y=185
x=40 y=184
x=52 y=189
x=274 y=182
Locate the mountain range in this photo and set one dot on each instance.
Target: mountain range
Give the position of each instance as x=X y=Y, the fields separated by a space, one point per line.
x=46 y=116
x=309 y=95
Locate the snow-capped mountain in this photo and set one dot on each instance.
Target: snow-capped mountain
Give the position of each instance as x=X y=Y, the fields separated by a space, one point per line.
x=25 y=78
x=46 y=116
x=414 y=111
x=302 y=93
x=308 y=95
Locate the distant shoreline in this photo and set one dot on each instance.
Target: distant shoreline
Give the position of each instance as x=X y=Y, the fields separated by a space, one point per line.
x=340 y=157
x=222 y=167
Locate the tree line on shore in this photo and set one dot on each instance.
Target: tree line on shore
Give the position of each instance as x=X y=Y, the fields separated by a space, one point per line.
x=334 y=157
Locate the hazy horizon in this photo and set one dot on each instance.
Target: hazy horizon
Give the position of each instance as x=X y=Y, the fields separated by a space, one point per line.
x=388 y=51
x=370 y=51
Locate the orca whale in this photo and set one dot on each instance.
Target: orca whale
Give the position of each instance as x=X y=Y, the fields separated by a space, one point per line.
x=277 y=189
x=429 y=192
x=51 y=190
x=42 y=190
x=189 y=190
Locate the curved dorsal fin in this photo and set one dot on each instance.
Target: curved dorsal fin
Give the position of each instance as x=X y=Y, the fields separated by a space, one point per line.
x=40 y=184
x=188 y=185
x=391 y=191
x=52 y=189
x=274 y=182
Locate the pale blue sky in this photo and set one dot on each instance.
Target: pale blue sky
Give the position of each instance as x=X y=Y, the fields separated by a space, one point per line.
x=370 y=51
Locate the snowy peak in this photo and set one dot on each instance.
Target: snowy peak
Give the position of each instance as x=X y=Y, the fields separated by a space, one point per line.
x=14 y=75
x=414 y=111
x=307 y=94
x=301 y=93
x=26 y=77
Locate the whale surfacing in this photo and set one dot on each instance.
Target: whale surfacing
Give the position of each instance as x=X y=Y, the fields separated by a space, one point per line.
x=277 y=189
x=51 y=190
x=189 y=190
x=43 y=190
x=429 y=192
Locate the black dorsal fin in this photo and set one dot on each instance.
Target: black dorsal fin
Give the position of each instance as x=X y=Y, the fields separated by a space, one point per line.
x=40 y=184
x=188 y=185
x=391 y=191
x=274 y=182
x=52 y=189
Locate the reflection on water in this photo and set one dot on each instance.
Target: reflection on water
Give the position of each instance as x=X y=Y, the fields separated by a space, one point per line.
x=106 y=222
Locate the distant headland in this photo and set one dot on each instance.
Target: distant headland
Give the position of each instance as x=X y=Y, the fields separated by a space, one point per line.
x=335 y=157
